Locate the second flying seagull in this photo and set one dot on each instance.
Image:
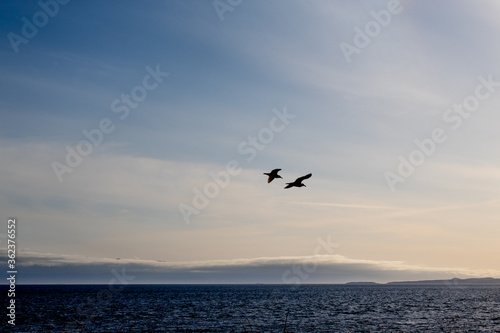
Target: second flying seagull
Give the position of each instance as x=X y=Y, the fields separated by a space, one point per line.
x=298 y=181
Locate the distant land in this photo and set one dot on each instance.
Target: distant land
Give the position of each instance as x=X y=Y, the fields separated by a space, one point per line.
x=452 y=282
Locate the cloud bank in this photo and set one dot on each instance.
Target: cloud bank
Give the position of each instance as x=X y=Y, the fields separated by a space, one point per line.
x=52 y=269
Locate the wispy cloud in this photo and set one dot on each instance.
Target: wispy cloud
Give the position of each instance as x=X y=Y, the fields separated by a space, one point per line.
x=353 y=120
x=398 y=212
x=346 y=205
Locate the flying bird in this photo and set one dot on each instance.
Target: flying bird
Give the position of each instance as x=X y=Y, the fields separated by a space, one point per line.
x=298 y=181
x=272 y=175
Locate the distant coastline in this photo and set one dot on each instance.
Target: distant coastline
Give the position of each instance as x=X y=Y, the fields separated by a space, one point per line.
x=451 y=282
x=454 y=283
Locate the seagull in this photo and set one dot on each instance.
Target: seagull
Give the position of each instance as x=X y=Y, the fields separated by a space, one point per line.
x=298 y=181
x=273 y=174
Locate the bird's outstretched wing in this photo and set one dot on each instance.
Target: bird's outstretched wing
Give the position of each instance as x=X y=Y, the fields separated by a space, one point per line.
x=300 y=179
x=272 y=175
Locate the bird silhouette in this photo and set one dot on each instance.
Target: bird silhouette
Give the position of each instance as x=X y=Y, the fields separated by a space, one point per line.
x=298 y=181
x=272 y=175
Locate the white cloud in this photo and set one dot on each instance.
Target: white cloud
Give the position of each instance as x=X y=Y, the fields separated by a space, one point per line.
x=319 y=269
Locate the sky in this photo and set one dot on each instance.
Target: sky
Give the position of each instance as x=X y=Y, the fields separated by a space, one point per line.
x=134 y=138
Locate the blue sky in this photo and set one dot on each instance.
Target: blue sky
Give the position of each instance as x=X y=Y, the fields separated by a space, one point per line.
x=352 y=119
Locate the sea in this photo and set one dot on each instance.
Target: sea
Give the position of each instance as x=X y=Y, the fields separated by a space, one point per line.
x=254 y=308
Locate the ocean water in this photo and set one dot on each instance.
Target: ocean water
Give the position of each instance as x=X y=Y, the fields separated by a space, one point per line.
x=255 y=308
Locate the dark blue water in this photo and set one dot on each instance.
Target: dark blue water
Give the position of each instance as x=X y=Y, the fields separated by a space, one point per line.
x=255 y=308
